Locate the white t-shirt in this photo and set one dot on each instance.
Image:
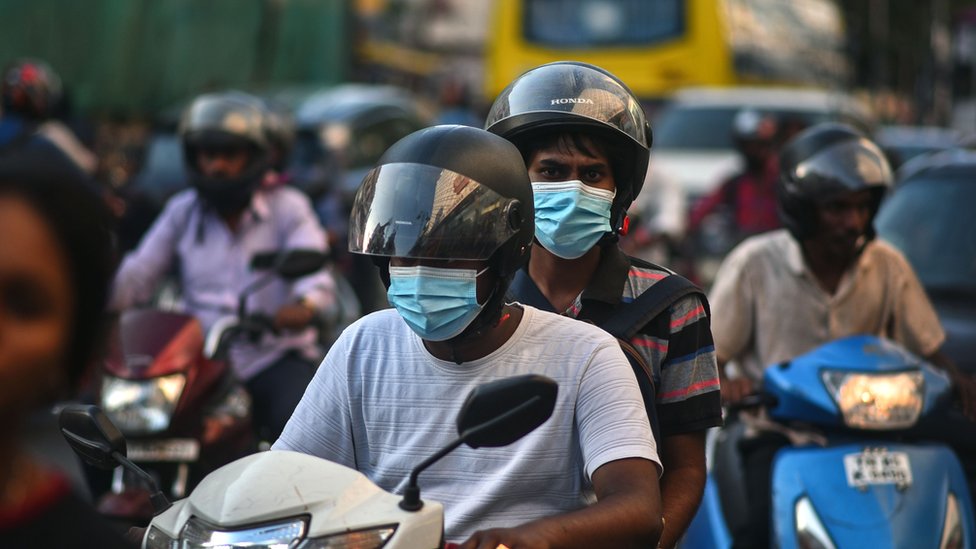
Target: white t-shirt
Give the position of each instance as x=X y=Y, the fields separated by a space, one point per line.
x=381 y=403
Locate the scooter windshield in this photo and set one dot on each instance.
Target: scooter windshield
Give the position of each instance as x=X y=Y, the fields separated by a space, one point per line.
x=425 y=212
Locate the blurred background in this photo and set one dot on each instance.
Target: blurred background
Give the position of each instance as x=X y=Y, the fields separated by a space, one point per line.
x=354 y=76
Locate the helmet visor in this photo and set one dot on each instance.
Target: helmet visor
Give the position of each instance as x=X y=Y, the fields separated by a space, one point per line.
x=425 y=212
x=573 y=90
x=853 y=165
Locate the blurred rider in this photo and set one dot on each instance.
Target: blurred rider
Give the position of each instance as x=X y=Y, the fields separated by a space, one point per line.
x=210 y=233
x=824 y=276
x=31 y=92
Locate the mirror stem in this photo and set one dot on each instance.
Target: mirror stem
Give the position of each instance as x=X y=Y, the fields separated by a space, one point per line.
x=411 y=495
x=158 y=499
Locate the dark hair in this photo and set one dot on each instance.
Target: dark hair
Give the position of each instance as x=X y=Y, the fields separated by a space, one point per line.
x=77 y=216
x=589 y=143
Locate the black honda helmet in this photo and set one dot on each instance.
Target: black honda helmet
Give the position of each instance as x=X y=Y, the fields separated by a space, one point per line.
x=31 y=89
x=573 y=96
x=221 y=121
x=447 y=192
x=822 y=162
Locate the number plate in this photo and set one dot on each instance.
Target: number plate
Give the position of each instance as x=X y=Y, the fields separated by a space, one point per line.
x=177 y=449
x=877 y=466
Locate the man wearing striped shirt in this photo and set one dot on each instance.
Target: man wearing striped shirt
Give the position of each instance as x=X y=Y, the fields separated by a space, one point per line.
x=586 y=141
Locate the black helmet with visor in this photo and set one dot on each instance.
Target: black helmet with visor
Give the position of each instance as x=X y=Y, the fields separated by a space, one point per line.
x=819 y=164
x=226 y=121
x=569 y=96
x=447 y=193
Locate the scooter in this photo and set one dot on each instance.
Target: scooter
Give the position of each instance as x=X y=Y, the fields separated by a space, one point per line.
x=288 y=499
x=882 y=479
x=175 y=397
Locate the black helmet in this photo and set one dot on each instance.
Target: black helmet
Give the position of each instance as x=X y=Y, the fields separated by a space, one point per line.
x=31 y=89
x=447 y=192
x=822 y=162
x=226 y=120
x=569 y=96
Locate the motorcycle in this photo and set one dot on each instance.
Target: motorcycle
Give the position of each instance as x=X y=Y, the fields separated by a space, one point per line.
x=175 y=397
x=883 y=478
x=289 y=499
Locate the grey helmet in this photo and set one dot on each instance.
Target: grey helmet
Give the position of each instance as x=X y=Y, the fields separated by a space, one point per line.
x=226 y=120
x=574 y=96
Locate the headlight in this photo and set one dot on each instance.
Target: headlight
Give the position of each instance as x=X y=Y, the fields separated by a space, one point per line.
x=198 y=534
x=877 y=401
x=810 y=532
x=144 y=406
x=952 y=527
x=373 y=538
x=156 y=539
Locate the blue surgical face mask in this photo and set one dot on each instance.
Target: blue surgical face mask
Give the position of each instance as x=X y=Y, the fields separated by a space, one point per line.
x=437 y=304
x=570 y=217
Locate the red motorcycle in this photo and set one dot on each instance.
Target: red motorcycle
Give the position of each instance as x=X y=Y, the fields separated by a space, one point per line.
x=176 y=399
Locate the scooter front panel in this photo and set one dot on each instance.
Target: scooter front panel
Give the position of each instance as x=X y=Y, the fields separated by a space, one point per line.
x=869 y=510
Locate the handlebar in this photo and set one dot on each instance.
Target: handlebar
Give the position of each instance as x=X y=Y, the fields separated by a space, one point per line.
x=754 y=400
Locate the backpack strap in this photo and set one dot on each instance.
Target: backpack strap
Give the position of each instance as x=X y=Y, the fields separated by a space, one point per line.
x=631 y=317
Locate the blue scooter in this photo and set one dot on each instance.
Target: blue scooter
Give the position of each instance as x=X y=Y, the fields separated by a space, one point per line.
x=885 y=478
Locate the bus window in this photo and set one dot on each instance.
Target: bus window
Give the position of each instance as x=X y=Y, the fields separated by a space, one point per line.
x=596 y=23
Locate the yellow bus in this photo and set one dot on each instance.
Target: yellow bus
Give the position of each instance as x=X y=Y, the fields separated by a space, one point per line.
x=660 y=46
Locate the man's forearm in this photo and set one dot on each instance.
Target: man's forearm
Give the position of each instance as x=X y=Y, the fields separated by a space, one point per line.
x=627 y=514
x=682 y=484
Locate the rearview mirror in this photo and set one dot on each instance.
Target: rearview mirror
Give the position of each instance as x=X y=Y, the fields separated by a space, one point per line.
x=503 y=411
x=494 y=414
x=290 y=264
x=91 y=434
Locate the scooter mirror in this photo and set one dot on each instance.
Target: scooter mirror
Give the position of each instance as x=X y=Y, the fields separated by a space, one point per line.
x=91 y=434
x=503 y=411
x=290 y=264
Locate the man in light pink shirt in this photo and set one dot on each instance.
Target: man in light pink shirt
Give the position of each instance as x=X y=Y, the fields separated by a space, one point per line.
x=210 y=233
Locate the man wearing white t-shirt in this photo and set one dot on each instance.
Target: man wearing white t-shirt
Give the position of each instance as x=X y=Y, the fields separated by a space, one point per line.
x=448 y=218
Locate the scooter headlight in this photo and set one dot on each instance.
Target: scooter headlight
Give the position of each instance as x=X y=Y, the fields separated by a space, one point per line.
x=197 y=534
x=810 y=532
x=952 y=536
x=156 y=539
x=877 y=401
x=144 y=406
x=374 y=538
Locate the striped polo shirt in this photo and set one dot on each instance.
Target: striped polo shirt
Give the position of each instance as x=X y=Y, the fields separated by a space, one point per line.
x=677 y=344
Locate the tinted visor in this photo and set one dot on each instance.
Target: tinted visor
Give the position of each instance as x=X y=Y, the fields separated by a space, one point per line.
x=573 y=90
x=853 y=165
x=425 y=212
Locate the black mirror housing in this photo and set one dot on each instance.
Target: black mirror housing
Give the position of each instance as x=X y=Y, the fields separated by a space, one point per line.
x=503 y=411
x=290 y=264
x=92 y=435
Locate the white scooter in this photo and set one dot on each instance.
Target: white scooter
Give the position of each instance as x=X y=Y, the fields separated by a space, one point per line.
x=296 y=501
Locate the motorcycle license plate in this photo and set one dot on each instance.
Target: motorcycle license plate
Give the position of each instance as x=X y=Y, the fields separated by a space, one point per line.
x=878 y=466
x=177 y=449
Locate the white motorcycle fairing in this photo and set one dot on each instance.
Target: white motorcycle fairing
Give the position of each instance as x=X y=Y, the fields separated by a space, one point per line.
x=276 y=485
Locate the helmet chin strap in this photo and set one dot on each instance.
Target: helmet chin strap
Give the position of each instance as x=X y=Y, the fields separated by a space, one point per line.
x=478 y=326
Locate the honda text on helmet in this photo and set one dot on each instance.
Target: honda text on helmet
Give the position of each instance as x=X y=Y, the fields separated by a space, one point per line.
x=822 y=163
x=226 y=147
x=575 y=97
x=31 y=89
x=445 y=193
